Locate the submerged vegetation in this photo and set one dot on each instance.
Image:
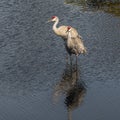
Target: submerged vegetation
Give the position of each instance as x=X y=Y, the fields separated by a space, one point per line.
x=110 y=6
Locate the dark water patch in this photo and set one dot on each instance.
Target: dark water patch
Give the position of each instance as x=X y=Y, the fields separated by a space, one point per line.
x=109 y=6
x=72 y=88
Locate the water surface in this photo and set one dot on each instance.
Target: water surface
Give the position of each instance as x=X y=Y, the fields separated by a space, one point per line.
x=36 y=83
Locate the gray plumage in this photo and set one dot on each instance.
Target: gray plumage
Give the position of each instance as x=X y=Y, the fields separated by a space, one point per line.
x=74 y=45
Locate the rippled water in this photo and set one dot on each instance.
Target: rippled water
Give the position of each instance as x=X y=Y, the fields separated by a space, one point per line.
x=36 y=83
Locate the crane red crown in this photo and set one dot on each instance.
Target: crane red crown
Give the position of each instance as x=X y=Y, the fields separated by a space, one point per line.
x=53 y=17
x=69 y=27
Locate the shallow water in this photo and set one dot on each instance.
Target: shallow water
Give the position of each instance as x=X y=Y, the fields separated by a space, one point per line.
x=36 y=83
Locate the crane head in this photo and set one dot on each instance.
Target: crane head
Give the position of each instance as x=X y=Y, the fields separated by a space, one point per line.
x=53 y=19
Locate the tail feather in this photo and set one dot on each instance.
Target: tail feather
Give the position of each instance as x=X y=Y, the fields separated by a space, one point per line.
x=85 y=51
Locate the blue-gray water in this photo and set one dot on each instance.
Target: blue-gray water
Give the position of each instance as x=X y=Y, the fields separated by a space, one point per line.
x=36 y=84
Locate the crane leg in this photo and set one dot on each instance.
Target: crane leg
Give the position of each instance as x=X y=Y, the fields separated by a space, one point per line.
x=76 y=61
x=71 y=60
x=76 y=68
x=71 y=64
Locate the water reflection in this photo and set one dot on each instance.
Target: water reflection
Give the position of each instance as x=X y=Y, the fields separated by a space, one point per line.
x=109 y=6
x=72 y=88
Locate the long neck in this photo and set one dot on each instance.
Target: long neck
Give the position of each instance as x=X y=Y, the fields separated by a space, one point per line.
x=55 y=29
x=69 y=39
x=69 y=36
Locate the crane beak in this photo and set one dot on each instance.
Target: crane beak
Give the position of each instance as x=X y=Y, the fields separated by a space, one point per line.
x=48 y=21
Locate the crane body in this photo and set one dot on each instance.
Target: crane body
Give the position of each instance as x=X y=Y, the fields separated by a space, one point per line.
x=74 y=45
x=73 y=41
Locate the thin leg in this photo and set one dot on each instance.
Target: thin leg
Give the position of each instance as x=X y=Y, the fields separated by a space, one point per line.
x=69 y=114
x=76 y=61
x=71 y=64
x=77 y=71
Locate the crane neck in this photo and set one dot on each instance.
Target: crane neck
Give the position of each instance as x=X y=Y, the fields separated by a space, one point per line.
x=69 y=36
x=69 y=39
x=55 y=29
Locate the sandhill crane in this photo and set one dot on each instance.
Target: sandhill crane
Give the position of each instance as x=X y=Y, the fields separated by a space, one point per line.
x=61 y=31
x=74 y=45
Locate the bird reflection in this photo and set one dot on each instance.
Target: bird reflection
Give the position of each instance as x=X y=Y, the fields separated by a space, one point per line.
x=72 y=88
